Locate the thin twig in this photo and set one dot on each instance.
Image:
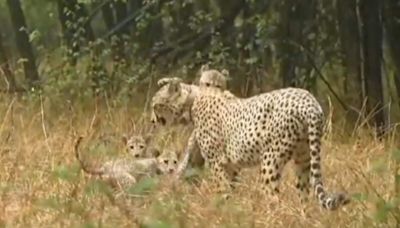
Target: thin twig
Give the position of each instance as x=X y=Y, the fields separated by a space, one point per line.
x=93 y=121
x=146 y=104
x=319 y=73
x=9 y=108
x=44 y=125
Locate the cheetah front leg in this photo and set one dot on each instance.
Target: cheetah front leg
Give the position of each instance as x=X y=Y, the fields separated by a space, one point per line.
x=190 y=148
x=220 y=177
x=233 y=172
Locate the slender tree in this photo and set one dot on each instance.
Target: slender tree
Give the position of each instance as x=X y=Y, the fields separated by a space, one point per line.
x=370 y=11
x=295 y=18
x=22 y=40
x=108 y=16
x=350 y=45
x=121 y=12
x=5 y=67
x=392 y=26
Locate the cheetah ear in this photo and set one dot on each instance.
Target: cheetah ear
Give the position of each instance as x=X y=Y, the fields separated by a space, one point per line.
x=147 y=138
x=174 y=86
x=124 y=139
x=155 y=152
x=163 y=81
x=204 y=67
x=225 y=72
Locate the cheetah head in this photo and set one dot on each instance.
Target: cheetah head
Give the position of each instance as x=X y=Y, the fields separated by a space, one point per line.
x=136 y=145
x=170 y=103
x=213 y=78
x=167 y=161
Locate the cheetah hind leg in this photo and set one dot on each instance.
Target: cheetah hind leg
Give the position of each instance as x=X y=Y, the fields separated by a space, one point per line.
x=302 y=169
x=271 y=169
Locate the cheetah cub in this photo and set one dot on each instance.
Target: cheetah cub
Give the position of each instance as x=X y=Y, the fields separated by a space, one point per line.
x=211 y=78
x=138 y=146
x=125 y=172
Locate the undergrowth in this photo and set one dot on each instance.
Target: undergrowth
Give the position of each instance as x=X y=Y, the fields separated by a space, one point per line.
x=42 y=184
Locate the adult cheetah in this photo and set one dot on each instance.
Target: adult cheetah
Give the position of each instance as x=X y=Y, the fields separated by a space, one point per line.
x=209 y=78
x=268 y=129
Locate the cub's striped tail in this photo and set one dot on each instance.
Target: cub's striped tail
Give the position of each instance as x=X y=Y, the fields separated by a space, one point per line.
x=84 y=166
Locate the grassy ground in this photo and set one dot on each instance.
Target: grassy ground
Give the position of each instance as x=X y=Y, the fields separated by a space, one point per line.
x=42 y=186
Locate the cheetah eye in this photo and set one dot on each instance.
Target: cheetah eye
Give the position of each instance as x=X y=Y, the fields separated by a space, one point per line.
x=166 y=161
x=207 y=84
x=218 y=86
x=141 y=146
x=175 y=162
x=132 y=147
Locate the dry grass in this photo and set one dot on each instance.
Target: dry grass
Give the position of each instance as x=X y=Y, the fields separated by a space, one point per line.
x=41 y=185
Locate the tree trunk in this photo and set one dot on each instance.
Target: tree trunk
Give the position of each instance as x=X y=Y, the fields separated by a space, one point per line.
x=287 y=31
x=350 y=44
x=294 y=16
x=392 y=26
x=82 y=17
x=397 y=84
x=121 y=12
x=108 y=16
x=5 y=67
x=22 y=41
x=370 y=11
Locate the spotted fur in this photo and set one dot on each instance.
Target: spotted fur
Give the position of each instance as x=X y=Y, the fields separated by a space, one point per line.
x=126 y=171
x=138 y=146
x=267 y=130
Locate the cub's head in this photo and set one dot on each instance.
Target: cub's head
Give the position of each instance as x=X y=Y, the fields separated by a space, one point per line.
x=213 y=78
x=169 y=103
x=167 y=161
x=137 y=146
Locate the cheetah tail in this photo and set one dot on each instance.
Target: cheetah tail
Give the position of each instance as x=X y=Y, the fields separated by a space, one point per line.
x=327 y=201
x=82 y=163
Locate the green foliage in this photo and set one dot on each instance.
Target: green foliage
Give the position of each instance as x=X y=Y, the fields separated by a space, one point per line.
x=97 y=187
x=66 y=173
x=386 y=208
x=379 y=166
x=89 y=225
x=77 y=57
x=396 y=155
x=156 y=224
x=361 y=197
x=143 y=186
x=53 y=203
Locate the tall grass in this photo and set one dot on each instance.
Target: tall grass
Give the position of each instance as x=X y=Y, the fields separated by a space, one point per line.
x=42 y=185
